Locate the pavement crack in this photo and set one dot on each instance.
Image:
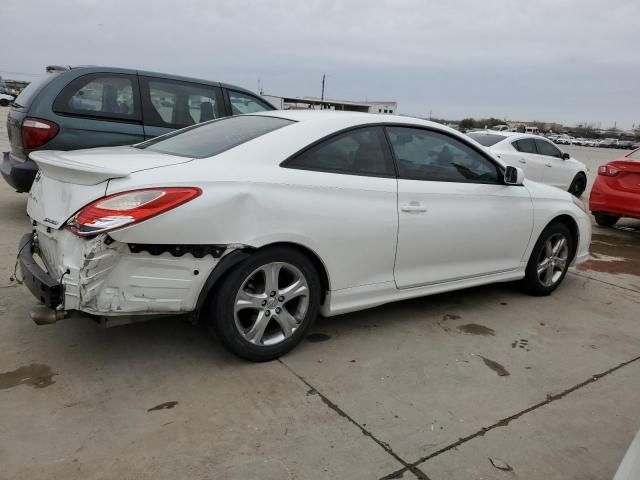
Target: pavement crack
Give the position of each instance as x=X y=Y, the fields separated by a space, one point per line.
x=384 y=445
x=505 y=421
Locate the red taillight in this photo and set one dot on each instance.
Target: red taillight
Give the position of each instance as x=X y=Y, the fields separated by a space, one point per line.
x=36 y=132
x=126 y=208
x=608 y=171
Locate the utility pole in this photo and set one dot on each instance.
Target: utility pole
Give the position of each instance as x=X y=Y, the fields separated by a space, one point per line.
x=322 y=96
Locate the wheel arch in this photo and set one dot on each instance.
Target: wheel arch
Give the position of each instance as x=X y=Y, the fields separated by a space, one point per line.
x=229 y=261
x=572 y=225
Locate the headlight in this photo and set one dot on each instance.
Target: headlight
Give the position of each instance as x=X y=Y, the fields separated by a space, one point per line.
x=580 y=204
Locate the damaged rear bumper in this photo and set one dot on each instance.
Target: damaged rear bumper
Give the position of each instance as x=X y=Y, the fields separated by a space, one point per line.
x=115 y=282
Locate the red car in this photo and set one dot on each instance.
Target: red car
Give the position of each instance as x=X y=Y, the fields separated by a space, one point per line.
x=616 y=192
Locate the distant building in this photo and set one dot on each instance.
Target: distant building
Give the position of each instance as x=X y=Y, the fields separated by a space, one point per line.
x=316 y=103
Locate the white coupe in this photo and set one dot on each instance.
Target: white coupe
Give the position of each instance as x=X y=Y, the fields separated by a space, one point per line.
x=540 y=159
x=254 y=224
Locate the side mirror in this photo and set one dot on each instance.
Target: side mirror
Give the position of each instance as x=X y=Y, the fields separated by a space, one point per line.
x=513 y=175
x=566 y=156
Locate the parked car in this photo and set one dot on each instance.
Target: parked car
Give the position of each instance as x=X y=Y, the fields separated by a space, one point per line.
x=625 y=144
x=540 y=159
x=629 y=468
x=99 y=106
x=256 y=223
x=591 y=142
x=566 y=140
x=5 y=99
x=609 y=143
x=616 y=191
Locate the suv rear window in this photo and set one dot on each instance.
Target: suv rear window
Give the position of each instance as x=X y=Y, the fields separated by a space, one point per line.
x=32 y=90
x=214 y=137
x=486 y=139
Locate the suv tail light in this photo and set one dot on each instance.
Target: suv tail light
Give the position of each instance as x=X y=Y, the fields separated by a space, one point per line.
x=36 y=132
x=608 y=171
x=126 y=208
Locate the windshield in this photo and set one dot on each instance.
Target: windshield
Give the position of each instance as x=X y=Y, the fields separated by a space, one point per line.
x=486 y=139
x=211 y=138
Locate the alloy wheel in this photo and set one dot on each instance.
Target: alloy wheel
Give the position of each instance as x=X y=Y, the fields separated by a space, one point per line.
x=553 y=259
x=271 y=303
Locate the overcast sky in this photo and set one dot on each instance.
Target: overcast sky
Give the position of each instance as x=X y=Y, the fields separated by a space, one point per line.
x=571 y=61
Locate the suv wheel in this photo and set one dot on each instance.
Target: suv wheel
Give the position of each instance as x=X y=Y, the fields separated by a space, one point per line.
x=266 y=304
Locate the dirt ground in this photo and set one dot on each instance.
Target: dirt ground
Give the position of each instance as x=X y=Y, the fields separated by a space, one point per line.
x=485 y=383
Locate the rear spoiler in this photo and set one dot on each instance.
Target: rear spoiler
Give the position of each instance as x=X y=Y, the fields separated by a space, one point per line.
x=54 y=164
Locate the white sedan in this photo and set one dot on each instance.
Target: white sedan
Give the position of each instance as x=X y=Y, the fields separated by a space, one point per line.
x=540 y=159
x=254 y=224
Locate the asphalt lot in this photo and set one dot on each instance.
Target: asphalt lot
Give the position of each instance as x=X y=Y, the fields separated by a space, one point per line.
x=485 y=383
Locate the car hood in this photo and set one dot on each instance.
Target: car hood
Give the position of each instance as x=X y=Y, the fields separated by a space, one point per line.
x=541 y=190
x=95 y=165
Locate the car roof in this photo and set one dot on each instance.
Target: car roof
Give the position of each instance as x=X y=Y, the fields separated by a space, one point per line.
x=168 y=76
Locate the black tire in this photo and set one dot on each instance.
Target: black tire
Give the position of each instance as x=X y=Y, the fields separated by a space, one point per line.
x=605 y=220
x=227 y=325
x=578 y=185
x=532 y=282
x=4 y=102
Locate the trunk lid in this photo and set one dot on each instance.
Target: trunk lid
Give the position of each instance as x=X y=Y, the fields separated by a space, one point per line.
x=629 y=177
x=67 y=181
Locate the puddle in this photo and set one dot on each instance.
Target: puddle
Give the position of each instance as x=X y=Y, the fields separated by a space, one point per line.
x=35 y=375
x=495 y=366
x=163 y=406
x=475 y=329
x=613 y=254
x=318 y=337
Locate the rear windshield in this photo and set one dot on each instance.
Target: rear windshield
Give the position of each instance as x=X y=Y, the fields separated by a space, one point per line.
x=32 y=90
x=486 y=139
x=211 y=138
x=634 y=155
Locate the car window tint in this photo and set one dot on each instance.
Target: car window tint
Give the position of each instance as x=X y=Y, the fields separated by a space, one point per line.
x=526 y=145
x=179 y=104
x=428 y=155
x=245 y=103
x=546 y=148
x=100 y=95
x=212 y=138
x=486 y=139
x=361 y=152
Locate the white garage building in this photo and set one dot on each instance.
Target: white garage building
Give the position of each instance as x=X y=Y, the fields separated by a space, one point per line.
x=316 y=103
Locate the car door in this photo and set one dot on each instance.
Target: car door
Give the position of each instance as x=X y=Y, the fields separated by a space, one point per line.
x=99 y=110
x=457 y=218
x=557 y=171
x=528 y=159
x=168 y=104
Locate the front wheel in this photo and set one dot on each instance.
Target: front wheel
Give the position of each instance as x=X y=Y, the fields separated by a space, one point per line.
x=549 y=260
x=605 y=220
x=4 y=102
x=266 y=304
x=578 y=185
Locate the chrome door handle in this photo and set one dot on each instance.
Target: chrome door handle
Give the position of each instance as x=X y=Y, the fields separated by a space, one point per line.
x=522 y=160
x=413 y=208
x=548 y=164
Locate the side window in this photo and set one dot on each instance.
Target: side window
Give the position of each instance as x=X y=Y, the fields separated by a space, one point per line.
x=245 y=103
x=546 y=148
x=110 y=96
x=358 y=152
x=174 y=104
x=428 y=155
x=526 y=145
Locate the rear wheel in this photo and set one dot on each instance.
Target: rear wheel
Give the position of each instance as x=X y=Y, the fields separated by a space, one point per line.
x=605 y=220
x=578 y=185
x=266 y=304
x=549 y=260
x=4 y=102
